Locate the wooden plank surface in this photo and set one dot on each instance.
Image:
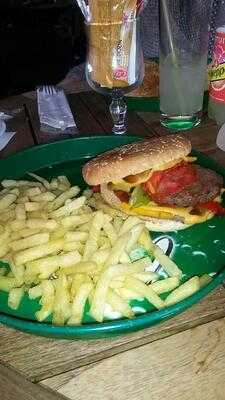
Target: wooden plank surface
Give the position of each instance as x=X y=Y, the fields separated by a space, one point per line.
x=85 y=120
x=18 y=123
x=14 y=386
x=202 y=137
x=99 y=107
x=49 y=357
x=71 y=85
x=186 y=366
x=219 y=156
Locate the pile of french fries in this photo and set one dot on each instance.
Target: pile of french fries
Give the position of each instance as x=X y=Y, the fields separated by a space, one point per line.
x=68 y=249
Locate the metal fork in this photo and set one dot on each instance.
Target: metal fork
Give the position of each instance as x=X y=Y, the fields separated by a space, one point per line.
x=48 y=89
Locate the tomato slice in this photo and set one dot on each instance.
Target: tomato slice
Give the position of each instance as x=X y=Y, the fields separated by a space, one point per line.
x=214 y=206
x=171 y=181
x=122 y=196
x=96 y=189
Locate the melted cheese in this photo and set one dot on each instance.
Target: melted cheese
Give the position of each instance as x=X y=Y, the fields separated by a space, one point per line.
x=121 y=185
x=190 y=159
x=164 y=212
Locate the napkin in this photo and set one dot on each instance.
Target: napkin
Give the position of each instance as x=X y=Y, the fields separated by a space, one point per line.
x=5 y=137
x=220 y=141
x=54 y=110
x=4 y=140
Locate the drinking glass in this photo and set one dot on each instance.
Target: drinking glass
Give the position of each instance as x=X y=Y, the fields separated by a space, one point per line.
x=183 y=61
x=114 y=63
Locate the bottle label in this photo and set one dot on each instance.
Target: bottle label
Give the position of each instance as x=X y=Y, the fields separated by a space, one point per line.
x=217 y=73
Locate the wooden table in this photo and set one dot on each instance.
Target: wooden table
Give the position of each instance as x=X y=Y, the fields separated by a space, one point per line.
x=181 y=359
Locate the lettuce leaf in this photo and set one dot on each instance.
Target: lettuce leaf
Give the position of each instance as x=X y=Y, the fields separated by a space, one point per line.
x=139 y=197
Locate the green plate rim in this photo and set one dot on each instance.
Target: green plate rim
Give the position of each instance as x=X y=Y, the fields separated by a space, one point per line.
x=114 y=327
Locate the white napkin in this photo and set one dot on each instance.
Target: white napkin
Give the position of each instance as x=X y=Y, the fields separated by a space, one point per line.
x=220 y=141
x=54 y=110
x=5 y=137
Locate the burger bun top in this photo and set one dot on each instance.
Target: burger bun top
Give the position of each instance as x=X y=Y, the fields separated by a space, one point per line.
x=134 y=158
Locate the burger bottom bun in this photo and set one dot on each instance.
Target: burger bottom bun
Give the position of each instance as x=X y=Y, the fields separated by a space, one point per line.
x=163 y=225
x=152 y=224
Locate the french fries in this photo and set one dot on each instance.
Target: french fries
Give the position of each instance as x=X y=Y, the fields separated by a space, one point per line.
x=40 y=223
x=44 y=181
x=60 y=200
x=43 y=197
x=144 y=290
x=8 y=183
x=169 y=265
x=110 y=232
x=117 y=250
x=89 y=268
x=76 y=236
x=32 y=206
x=205 y=280
x=182 y=292
x=165 y=285
x=7 y=200
x=79 y=302
x=68 y=250
x=42 y=250
x=29 y=241
x=61 y=305
x=68 y=208
x=75 y=220
x=92 y=241
x=47 y=300
x=3 y=271
x=8 y=283
x=4 y=248
x=20 y=212
x=32 y=191
x=101 y=289
x=45 y=267
x=119 y=304
x=15 y=297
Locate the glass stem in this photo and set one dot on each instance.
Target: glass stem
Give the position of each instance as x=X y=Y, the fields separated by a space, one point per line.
x=118 y=109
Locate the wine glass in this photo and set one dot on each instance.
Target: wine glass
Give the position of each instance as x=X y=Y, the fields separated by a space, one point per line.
x=115 y=64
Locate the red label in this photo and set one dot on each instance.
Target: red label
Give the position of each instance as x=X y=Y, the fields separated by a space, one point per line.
x=217 y=84
x=120 y=73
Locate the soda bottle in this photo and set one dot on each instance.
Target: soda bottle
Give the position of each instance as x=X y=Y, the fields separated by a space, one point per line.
x=216 y=109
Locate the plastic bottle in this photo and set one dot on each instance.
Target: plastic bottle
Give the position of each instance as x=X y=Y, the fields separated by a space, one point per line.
x=216 y=109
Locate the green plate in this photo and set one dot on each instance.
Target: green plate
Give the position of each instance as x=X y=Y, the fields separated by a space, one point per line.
x=143 y=104
x=197 y=250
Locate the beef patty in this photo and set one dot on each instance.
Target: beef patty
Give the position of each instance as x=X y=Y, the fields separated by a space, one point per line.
x=206 y=188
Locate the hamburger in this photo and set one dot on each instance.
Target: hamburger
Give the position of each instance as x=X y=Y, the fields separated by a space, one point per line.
x=158 y=180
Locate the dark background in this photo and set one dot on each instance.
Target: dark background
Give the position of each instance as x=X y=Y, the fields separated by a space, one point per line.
x=40 y=40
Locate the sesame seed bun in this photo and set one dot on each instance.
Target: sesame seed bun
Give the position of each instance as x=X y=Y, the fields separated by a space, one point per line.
x=134 y=158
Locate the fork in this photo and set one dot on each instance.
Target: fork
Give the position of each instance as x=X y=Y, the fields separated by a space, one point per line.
x=48 y=89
